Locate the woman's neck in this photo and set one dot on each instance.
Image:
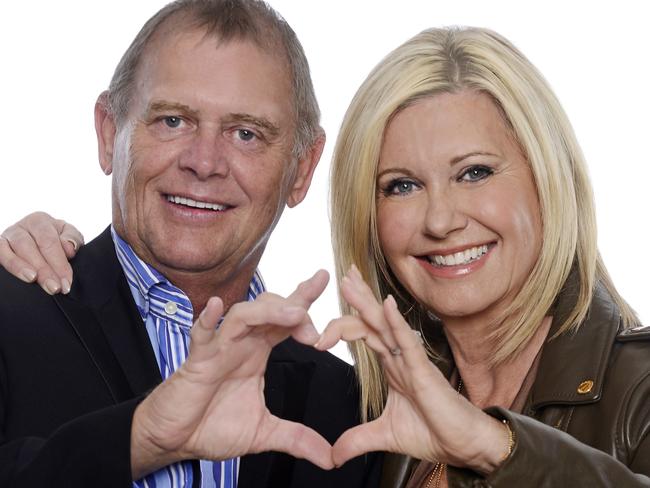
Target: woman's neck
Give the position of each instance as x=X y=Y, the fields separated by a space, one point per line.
x=490 y=385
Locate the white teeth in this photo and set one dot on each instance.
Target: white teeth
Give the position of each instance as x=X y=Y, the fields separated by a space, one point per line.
x=188 y=202
x=458 y=258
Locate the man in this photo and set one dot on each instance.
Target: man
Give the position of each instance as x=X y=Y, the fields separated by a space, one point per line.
x=209 y=128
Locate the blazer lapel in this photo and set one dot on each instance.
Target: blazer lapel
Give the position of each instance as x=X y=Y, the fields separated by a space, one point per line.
x=101 y=311
x=285 y=390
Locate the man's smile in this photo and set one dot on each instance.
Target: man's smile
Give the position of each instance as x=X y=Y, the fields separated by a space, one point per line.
x=188 y=202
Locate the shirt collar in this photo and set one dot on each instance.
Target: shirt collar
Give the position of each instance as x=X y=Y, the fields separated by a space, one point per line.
x=144 y=277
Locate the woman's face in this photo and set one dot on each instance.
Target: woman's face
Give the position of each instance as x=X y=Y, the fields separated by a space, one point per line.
x=458 y=215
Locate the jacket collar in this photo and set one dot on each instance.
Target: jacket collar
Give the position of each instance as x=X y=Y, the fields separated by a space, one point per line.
x=101 y=311
x=572 y=365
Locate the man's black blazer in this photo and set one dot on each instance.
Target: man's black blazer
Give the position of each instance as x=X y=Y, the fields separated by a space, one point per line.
x=73 y=368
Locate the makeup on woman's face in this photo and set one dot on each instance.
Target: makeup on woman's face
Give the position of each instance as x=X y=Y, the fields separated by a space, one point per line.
x=457 y=208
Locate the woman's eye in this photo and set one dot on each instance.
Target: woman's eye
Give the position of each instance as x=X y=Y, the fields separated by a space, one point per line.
x=399 y=187
x=245 y=134
x=475 y=173
x=172 y=121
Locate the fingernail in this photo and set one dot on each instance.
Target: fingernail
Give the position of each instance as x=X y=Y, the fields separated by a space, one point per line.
x=65 y=286
x=51 y=286
x=391 y=301
x=73 y=242
x=28 y=275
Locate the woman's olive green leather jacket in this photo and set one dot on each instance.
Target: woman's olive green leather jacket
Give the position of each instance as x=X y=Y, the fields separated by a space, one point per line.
x=587 y=418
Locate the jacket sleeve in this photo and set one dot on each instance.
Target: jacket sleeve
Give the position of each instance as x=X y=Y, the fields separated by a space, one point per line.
x=547 y=457
x=93 y=450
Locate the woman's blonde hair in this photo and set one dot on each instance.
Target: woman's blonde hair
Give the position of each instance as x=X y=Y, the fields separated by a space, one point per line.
x=448 y=60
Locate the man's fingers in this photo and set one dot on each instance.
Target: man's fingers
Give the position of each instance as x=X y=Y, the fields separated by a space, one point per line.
x=298 y=441
x=204 y=328
x=359 y=440
x=309 y=290
x=270 y=316
x=305 y=294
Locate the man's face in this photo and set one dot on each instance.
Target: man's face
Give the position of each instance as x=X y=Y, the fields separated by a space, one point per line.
x=201 y=165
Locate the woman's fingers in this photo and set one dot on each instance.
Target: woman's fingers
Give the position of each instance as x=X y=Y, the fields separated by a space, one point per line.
x=409 y=341
x=370 y=437
x=18 y=267
x=350 y=328
x=361 y=298
x=25 y=254
x=71 y=238
x=38 y=248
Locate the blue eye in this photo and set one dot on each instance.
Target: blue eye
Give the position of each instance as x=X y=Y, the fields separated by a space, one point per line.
x=399 y=187
x=475 y=173
x=172 y=121
x=245 y=135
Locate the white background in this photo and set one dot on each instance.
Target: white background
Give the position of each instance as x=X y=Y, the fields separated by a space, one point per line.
x=58 y=56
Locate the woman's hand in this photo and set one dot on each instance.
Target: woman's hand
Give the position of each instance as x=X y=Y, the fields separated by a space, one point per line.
x=37 y=248
x=424 y=416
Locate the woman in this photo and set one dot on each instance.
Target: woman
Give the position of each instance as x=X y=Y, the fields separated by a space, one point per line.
x=460 y=193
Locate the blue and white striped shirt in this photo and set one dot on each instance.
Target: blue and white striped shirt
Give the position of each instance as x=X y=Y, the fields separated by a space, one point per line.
x=168 y=317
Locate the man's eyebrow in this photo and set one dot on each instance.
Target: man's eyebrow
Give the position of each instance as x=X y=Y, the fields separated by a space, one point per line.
x=261 y=122
x=158 y=106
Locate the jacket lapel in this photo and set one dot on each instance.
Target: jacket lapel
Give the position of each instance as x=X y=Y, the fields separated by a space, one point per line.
x=101 y=311
x=286 y=387
x=572 y=365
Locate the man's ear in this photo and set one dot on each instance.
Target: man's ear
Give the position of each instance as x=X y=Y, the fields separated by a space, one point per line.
x=105 y=129
x=305 y=171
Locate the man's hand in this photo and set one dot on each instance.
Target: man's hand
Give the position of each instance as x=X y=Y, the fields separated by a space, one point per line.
x=213 y=407
x=37 y=248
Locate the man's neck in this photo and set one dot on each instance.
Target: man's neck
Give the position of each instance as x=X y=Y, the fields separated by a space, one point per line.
x=228 y=281
x=199 y=288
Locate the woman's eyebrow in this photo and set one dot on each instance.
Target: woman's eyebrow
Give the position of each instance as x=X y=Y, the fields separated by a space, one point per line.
x=458 y=159
x=404 y=171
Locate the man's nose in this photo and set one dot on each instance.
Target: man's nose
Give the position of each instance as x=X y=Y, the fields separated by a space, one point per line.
x=206 y=156
x=444 y=214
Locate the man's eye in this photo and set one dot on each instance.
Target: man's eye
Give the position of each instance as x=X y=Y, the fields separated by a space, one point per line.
x=475 y=173
x=245 y=134
x=172 y=121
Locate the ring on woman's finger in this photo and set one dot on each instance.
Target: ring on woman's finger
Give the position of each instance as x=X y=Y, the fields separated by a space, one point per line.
x=396 y=351
x=419 y=336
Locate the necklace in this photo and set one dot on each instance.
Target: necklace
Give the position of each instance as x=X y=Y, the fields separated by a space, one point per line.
x=439 y=468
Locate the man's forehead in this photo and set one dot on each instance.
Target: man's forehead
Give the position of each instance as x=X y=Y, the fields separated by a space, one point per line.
x=207 y=75
x=195 y=50
x=179 y=27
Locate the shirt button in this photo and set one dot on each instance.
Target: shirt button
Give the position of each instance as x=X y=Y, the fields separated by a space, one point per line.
x=171 y=308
